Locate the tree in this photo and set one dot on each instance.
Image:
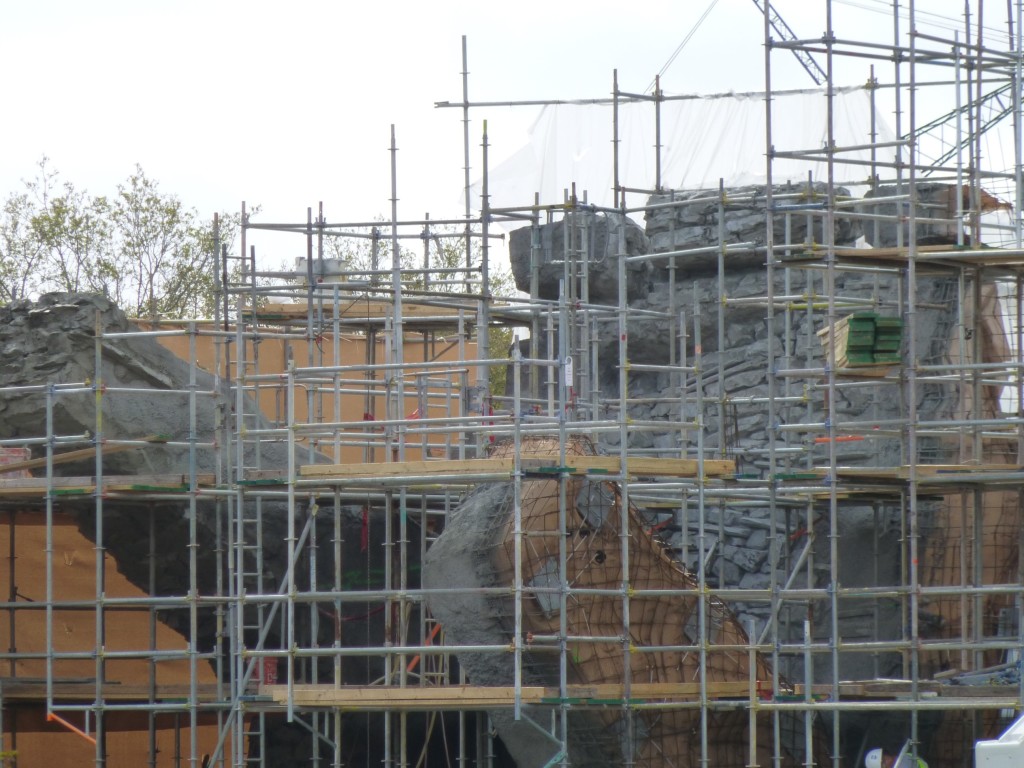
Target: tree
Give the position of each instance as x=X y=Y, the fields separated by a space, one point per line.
x=69 y=231
x=155 y=234
x=20 y=249
x=151 y=255
x=191 y=291
x=142 y=248
x=75 y=236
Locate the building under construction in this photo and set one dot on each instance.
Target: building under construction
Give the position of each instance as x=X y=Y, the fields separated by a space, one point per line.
x=742 y=488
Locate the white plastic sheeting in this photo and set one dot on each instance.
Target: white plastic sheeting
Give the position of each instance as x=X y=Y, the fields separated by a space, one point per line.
x=1005 y=752
x=703 y=139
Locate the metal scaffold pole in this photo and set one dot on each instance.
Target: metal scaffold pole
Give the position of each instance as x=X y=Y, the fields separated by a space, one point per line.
x=750 y=495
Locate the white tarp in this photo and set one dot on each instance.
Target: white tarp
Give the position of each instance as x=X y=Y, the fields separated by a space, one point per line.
x=703 y=139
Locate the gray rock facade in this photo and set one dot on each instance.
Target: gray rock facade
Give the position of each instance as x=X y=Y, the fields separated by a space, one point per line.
x=593 y=244
x=738 y=355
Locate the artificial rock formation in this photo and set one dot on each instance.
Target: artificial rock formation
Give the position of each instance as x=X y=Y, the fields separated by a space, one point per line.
x=592 y=240
x=478 y=550
x=52 y=341
x=735 y=348
x=734 y=332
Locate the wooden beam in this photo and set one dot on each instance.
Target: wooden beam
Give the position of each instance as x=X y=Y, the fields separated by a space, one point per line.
x=360 y=309
x=67 y=486
x=469 y=697
x=575 y=465
x=640 y=467
x=924 y=472
x=22 y=689
x=935 y=255
x=76 y=455
x=408 y=468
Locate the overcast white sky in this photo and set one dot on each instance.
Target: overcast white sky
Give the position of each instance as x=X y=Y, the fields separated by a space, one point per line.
x=286 y=104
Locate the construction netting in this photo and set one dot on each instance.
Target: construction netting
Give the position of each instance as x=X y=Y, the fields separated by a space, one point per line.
x=707 y=139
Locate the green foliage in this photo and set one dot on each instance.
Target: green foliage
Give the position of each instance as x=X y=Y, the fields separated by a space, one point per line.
x=142 y=248
x=71 y=232
x=20 y=249
x=152 y=255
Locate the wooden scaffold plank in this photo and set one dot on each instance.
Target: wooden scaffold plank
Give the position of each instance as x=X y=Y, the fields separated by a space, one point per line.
x=574 y=465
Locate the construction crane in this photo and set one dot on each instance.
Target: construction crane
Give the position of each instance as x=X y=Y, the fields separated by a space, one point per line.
x=778 y=24
x=992 y=108
x=785 y=33
x=994 y=104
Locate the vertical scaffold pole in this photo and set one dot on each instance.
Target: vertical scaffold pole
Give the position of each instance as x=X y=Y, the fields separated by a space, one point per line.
x=483 y=326
x=564 y=373
x=193 y=556
x=702 y=583
x=468 y=231
x=517 y=522
x=911 y=373
x=101 y=634
x=398 y=359
x=624 y=528
x=290 y=604
x=49 y=550
x=829 y=226
x=775 y=547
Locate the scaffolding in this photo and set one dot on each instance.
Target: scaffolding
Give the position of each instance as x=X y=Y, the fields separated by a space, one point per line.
x=772 y=518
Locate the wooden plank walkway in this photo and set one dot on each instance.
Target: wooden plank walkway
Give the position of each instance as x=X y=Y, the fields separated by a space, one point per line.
x=931 y=475
x=575 y=465
x=36 y=487
x=79 y=454
x=945 y=255
x=34 y=689
x=470 y=698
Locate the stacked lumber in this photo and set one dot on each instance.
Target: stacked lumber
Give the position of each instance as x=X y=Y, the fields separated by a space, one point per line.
x=863 y=339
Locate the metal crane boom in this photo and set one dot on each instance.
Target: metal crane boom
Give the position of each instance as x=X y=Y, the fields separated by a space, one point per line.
x=784 y=32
